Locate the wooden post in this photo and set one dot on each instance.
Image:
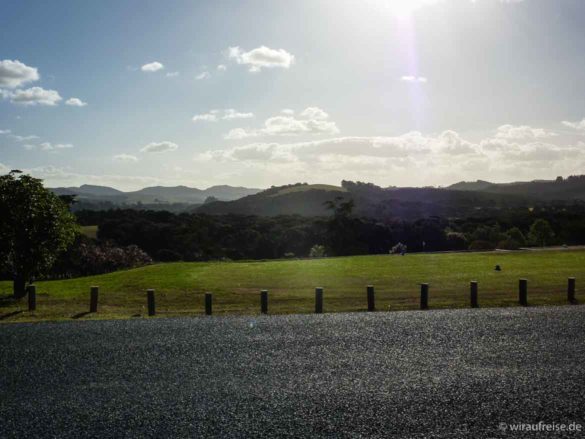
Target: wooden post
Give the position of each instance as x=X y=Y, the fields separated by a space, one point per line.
x=93 y=300
x=264 y=301
x=523 y=292
x=32 y=297
x=318 y=300
x=571 y=290
x=371 y=298
x=473 y=293
x=151 y=307
x=208 y=302
x=424 y=296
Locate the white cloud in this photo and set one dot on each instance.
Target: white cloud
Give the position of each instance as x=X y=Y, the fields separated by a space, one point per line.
x=579 y=125
x=221 y=67
x=410 y=78
x=231 y=114
x=125 y=158
x=29 y=146
x=261 y=58
x=75 y=102
x=314 y=113
x=287 y=111
x=413 y=157
x=34 y=96
x=172 y=74
x=203 y=75
x=23 y=138
x=5 y=131
x=206 y=117
x=154 y=66
x=48 y=146
x=312 y=121
x=4 y=169
x=156 y=147
x=521 y=132
x=14 y=74
x=215 y=115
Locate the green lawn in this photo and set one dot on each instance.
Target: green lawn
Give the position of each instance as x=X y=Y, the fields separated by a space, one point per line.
x=236 y=285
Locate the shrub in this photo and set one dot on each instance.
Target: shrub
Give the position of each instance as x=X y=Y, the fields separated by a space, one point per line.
x=479 y=244
x=509 y=244
x=317 y=251
x=398 y=249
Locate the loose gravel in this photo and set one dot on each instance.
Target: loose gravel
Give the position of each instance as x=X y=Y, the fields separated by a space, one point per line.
x=414 y=374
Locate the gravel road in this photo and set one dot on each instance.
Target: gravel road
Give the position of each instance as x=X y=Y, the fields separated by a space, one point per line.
x=416 y=374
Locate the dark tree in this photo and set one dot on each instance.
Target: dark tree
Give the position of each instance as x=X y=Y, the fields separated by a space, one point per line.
x=35 y=227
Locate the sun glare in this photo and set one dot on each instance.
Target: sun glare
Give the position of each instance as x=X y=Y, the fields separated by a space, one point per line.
x=404 y=8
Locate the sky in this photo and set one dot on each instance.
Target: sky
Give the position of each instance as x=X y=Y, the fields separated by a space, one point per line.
x=130 y=93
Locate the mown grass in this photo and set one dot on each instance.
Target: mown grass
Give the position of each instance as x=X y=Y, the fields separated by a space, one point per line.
x=235 y=285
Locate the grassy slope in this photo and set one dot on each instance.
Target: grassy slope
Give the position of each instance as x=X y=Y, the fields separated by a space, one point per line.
x=180 y=286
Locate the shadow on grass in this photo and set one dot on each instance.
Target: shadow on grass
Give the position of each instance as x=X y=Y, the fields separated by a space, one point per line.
x=10 y=314
x=80 y=315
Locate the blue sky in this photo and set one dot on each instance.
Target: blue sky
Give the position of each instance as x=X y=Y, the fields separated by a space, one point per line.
x=260 y=93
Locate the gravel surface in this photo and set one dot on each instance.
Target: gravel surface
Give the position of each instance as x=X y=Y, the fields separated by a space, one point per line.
x=413 y=374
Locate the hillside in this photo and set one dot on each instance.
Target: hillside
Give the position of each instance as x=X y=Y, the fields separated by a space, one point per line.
x=370 y=200
x=291 y=283
x=89 y=194
x=565 y=189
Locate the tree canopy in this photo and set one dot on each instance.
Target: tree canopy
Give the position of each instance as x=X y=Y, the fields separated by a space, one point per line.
x=35 y=227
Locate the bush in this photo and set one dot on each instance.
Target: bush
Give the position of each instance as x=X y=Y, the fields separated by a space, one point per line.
x=509 y=244
x=481 y=245
x=317 y=251
x=86 y=258
x=399 y=248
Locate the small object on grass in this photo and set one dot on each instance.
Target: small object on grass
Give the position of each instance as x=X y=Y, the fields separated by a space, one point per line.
x=498 y=268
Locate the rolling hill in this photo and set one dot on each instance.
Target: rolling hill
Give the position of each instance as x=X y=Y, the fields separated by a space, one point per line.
x=369 y=200
x=154 y=195
x=571 y=188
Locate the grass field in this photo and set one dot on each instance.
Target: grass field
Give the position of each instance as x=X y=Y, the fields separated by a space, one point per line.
x=235 y=285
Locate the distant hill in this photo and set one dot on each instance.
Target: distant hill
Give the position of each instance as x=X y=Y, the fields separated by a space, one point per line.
x=157 y=195
x=562 y=189
x=370 y=200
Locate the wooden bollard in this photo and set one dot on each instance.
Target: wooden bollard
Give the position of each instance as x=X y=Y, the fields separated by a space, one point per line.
x=371 y=298
x=473 y=293
x=151 y=307
x=571 y=290
x=93 y=299
x=318 y=300
x=264 y=301
x=32 y=297
x=208 y=303
x=523 y=292
x=424 y=296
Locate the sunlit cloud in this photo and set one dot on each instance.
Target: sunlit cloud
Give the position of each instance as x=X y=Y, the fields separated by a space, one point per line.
x=158 y=147
x=152 y=67
x=125 y=158
x=261 y=58
x=34 y=96
x=203 y=75
x=410 y=78
x=312 y=120
x=75 y=102
x=579 y=125
x=14 y=73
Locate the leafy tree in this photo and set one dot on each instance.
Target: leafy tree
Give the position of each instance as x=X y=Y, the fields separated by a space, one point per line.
x=35 y=227
x=516 y=235
x=541 y=232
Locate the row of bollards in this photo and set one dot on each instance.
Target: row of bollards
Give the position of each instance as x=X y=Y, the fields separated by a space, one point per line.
x=370 y=296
